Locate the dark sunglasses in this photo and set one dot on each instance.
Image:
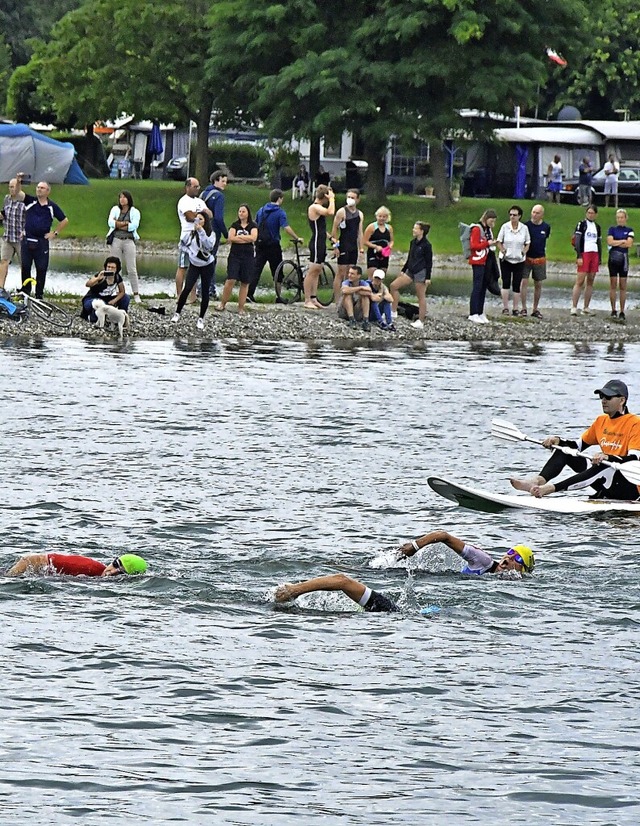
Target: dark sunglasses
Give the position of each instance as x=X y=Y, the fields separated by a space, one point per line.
x=516 y=556
x=514 y=215
x=118 y=565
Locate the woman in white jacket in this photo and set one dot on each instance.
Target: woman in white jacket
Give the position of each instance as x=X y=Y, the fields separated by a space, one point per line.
x=124 y=220
x=199 y=244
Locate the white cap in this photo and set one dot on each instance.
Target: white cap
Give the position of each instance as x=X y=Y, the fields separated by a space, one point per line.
x=379 y=274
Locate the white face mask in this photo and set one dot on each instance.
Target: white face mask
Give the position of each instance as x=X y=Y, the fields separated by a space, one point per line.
x=351 y=201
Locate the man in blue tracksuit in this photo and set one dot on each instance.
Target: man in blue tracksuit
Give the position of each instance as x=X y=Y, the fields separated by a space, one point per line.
x=270 y=218
x=40 y=214
x=213 y=196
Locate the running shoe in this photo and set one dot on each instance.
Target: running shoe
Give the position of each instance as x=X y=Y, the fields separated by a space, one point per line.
x=176 y=318
x=417 y=324
x=200 y=324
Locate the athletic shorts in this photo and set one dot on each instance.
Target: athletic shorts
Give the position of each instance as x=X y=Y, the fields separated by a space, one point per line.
x=590 y=262
x=348 y=258
x=9 y=249
x=317 y=253
x=183 y=259
x=418 y=277
x=554 y=186
x=240 y=269
x=358 y=313
x=618 y=265
x=537 y=267
x=377 y=602
x=610 y=185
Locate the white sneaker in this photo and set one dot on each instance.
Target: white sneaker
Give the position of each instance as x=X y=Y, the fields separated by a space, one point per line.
x=587 y=311
x=475 y=319
x=394 y=315
x=417 y=324
x=483 y=319
x=575 y=311
x=137 y=298
x=176 y=318
x=200 y=324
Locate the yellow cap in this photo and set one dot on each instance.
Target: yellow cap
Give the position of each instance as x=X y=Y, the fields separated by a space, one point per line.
x=527 y=555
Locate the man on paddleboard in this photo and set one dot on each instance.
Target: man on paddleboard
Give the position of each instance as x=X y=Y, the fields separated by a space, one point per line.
x=73 y=565
x=520 y=558
x=616 y=432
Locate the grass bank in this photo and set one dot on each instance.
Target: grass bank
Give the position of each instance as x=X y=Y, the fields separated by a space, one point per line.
x=88 y=207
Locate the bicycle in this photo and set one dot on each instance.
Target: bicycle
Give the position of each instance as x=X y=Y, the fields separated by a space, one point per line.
x=289 y=280
x=44 y=310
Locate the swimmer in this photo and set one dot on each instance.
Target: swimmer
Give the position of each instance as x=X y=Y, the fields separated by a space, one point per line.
x=73 y=565
x=369 y=600
x=519 y=558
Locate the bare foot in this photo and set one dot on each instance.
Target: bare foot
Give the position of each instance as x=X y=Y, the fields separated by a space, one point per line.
x=526 y=484
x=541 y=490
x=308 y=305
x=285 y=593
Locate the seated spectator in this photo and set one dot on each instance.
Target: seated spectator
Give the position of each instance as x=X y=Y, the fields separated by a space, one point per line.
x=381 y=302
x=301 y=181
x=322 y=178
x=355 y=299
x=107 y=285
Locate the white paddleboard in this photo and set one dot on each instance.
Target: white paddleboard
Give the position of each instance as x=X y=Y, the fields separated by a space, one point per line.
x=483 y=500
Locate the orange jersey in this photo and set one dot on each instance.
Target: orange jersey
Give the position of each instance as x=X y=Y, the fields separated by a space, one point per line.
x=615 y=437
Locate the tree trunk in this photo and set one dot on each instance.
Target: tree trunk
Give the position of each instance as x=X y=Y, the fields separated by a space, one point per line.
x=374 y=155
x=203 y=117
x=314 y=157
x=441 y=182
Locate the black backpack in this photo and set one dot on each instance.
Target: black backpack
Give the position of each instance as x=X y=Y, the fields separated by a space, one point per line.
x=264 y=236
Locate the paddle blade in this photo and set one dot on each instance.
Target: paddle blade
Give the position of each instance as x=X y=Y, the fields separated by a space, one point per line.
x=630 y=471
x=502 y=429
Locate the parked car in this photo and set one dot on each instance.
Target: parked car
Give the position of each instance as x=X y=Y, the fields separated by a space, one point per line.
x=177 y=168
x=628 y=184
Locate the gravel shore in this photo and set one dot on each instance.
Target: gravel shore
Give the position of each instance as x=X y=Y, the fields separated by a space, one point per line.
x=447 y=321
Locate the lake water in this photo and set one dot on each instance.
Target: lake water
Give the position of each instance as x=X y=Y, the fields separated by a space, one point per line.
x=187 y=696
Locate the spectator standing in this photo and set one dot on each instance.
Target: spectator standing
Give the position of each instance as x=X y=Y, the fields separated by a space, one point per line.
x=536 y=259
x=611 y=172
x=322 y=178
x=417 y=271
x=588 y=241
x=40 y=213
x=13 y=219
x=199 y=241
x=243 y=235
x=554 y=179
x=620 y=240
x=585 y=175
x=513 y=243
x=483 y=264
x=123 y=221
x=213 y=196
x=189 y=206
x=349 y=220
x=323 y=206
x=354 y=303
x=108 y=286
x=381 y=302
x=378 y=241
x=270 y=219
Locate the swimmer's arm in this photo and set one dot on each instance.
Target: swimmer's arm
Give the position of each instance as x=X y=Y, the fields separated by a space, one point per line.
x=410 y=548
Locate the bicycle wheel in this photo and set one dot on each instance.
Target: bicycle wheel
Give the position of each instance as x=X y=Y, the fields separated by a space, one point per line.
x=47 y=311
x=325 y=284
x=288 y=282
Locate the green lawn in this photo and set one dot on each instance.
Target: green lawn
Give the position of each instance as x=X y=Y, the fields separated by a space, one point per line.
x=88 y=207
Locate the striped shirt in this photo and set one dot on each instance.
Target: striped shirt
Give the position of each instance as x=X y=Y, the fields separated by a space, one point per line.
x=13 y=220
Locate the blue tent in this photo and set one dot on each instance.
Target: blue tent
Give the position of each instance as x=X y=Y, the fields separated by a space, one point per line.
x=44 y=159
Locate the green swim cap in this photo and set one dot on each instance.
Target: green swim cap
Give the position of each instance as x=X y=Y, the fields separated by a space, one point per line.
x=133 y=564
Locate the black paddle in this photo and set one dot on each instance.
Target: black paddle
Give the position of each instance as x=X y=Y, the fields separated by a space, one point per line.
x=502 y=429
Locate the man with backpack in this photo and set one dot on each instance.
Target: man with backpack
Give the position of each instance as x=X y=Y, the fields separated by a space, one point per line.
x=270 y=218
x=213 y=196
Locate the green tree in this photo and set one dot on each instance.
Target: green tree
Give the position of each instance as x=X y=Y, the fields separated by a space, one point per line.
x=144 y=59
x=21 y=20
x=405 y=69
x=606 y=73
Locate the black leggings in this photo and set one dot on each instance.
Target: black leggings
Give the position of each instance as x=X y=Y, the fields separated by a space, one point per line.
x=193 y=274
x=606 y=481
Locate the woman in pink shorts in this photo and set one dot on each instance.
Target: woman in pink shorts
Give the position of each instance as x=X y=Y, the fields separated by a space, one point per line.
x=588 y=244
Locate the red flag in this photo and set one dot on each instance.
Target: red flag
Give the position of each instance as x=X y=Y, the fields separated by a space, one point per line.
x=556 y=58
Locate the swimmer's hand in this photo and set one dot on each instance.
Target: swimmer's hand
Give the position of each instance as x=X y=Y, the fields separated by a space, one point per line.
x=404 y=551
x=284 y=593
